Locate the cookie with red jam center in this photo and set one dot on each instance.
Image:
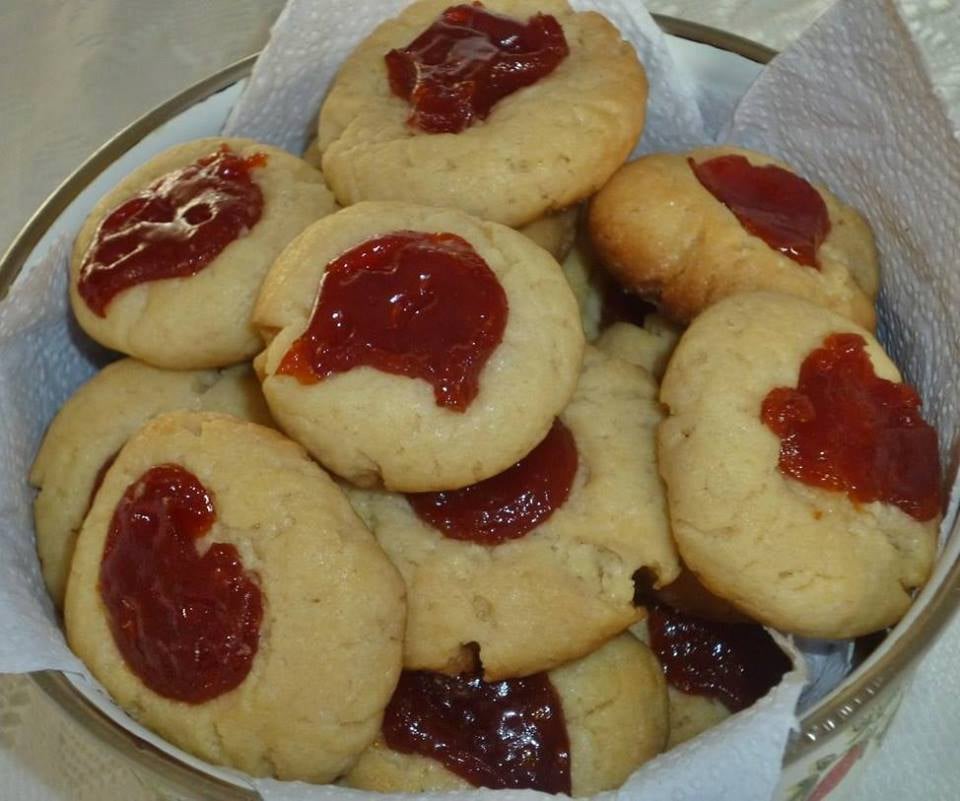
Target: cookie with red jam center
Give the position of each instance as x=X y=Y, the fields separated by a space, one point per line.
x=804 y=484
x=168 y=264
x=579 y=729
x=212 y=545
x=509 y=109
x=686 y=230
x=548 y=546
x=416 y=348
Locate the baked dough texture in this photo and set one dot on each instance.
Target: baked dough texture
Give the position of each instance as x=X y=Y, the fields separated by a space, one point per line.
x=330 y=642
x=203 y=320
x=615 y=705
x=795 y=557
x=555 y=232
x=542 y=148
x=95 y=423
x=663 y=235
x=373 y=427
x=564 y=588
x=648 y=347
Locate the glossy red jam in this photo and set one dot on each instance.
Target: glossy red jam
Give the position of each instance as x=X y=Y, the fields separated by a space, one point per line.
x=845 y=429
x=185 y=619
x=457 y=69
x=511 y=503
x=736 y=663
x=409 y=303
x=770 y=202
x=173 y=228
x=503 y=734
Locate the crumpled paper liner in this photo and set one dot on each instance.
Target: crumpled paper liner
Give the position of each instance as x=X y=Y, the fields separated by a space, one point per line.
x=850 y=104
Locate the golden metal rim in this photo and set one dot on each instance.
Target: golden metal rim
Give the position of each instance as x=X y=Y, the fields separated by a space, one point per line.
x=820 y=723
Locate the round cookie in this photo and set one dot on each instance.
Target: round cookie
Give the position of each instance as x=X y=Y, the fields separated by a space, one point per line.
x=202 y=320
x=615 y=706
x=329 y=644
x=570 y=578
x=544 y=147
x=374 y=427
x=796 y=557
x=92 y=426
x=665 y=236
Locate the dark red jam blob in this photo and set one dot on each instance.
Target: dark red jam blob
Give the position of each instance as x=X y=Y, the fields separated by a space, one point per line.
x=457 y=69
x=845 y=429
x=409 y=303
x=502 y=734
x=736 y=663
x=100 y=476
x=173 y=228
x=770 y=202
x=622 y=306
x=187 y=624
x=511 y=503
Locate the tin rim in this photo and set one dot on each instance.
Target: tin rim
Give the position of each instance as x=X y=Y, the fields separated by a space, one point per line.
x=819 y=724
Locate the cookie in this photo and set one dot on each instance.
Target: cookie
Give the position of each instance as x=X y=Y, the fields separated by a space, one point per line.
x=665 y=235
x=92 y=426
x=176 y=289
x=569 y=577
x=614 y=703
x=274 y=652
x=421 y=389
x=784 y=527
x=691 y=715
x=544 y=147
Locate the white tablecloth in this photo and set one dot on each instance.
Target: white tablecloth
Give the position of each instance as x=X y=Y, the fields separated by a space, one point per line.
x=73 y=73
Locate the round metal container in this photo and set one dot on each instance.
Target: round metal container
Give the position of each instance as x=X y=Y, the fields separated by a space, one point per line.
x=835 y=734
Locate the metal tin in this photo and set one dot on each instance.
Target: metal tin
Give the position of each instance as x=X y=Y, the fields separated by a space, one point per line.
x=834 y=736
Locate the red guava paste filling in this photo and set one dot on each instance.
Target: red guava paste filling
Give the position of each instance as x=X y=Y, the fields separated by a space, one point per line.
x=736 y=663
x=173 y=228
x=409 y=303
x=502 y=734
x=845 y=429
x=187 y=624
x=511 y=503
x=457 y=69
x=770 y=202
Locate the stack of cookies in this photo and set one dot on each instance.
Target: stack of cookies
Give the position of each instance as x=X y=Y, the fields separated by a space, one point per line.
x=412 y=482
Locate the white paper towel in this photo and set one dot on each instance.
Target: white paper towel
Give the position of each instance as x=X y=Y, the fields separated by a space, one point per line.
x=839 y=81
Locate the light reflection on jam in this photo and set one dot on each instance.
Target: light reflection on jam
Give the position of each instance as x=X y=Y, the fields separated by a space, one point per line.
x=502 y=734
x=187 y=625
x=845 y=429
x=770 y=202
x=511 y=503
x=457 y=69
x=173 y=228
x=409 y=303
x=736 y=663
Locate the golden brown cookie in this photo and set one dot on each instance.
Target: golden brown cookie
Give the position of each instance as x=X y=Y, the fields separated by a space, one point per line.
x=615 y=705
x=92 y=426
x=663 y=234
x=570 y=577
x=545 y=147
x=555 y=232
x=200 y=320
x=793 y=555
x=372 y=426
x=271 y=644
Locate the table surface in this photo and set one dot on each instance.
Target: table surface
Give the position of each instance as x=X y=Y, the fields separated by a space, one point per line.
x=72 y=74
